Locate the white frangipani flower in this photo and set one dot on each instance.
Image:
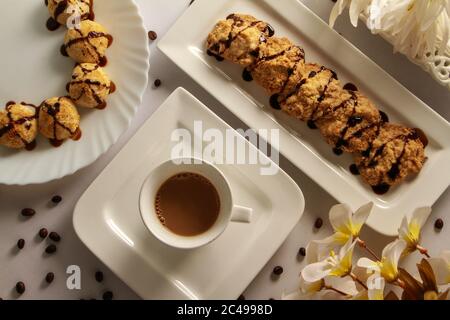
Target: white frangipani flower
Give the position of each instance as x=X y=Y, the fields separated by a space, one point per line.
x=388 y=266
x=375 y=285
x=335 y=265
x=329 y=287
x=441 y=268
x=337 y=10
x=417 y=28
x=410 y=229
x=346 y=225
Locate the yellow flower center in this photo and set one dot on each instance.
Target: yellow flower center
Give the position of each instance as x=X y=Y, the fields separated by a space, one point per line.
x=388 y=270
x=412 y=237
x=340 y=268
x=349 y=229
x=430 y=295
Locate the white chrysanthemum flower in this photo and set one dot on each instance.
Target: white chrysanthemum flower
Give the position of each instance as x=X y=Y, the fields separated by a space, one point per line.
x=417 y=28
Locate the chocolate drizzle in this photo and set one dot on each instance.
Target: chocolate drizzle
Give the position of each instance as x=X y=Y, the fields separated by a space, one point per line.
x=10 y=127
x=247 y=75
x=313 y=116
x=52 y=24
x=381 y=188
x=215 y=50
x=354 y=169
x=61 y=8
x=372 y=158
x=275 y=99
x=89 y=83
x=350 y=87
x=215 y=55
x=274 y=103
x=101 y=60
x=53 y=110
x=351 y=122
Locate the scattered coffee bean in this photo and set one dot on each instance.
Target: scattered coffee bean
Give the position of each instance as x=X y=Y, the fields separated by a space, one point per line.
x=50 y=277
x=28 y=212
x=43 y=233
x=157 y=83
x=99 y=276
x=241 y=297
x=20 y=287
x=51 y=249
x=56 y=199
x=21 y=244
x=192 y=1
x=278 y=270
x=54 y=236
x=152 y=35
x=439 y=224
x=302 y=252
x=108 y=295
x=319 y=223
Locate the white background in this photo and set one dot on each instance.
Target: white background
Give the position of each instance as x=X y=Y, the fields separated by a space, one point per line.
x=30 y=265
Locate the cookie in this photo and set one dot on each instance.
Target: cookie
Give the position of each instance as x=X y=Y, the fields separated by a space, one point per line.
x=397 y=152
x=238 y=39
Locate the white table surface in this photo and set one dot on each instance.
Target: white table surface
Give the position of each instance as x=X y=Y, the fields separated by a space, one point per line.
x=30 y=265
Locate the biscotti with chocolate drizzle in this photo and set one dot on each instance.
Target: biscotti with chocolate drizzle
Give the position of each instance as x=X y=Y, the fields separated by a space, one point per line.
x=385 y=154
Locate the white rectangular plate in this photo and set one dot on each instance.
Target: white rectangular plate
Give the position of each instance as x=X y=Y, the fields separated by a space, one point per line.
x=107 y=216
x=185 y=45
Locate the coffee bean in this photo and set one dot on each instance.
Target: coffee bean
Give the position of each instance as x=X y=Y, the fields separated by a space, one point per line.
x=54 y=236
x=20 y=287
x=191 y=2
x=43 y=233
x=157 y=83
x=152 y=35
x=108 y=295
x=302 y=252
x=21 y=244
x=56 y=199
x=278 y=270
x=439 y=224
x=319 y=223
x=99 y=276
x=241 y=297
x=28 y=212
x=51 y=249
x=50 y=277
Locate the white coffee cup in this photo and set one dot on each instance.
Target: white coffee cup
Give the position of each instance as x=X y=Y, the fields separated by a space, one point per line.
x=229 y=211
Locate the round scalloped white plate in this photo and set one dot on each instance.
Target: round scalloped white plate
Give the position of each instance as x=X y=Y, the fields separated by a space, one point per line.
x=33 y=70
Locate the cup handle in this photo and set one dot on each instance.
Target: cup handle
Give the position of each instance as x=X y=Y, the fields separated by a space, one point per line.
x=241 y=214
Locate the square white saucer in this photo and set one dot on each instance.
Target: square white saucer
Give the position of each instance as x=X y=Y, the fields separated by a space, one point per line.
x=107 y=217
